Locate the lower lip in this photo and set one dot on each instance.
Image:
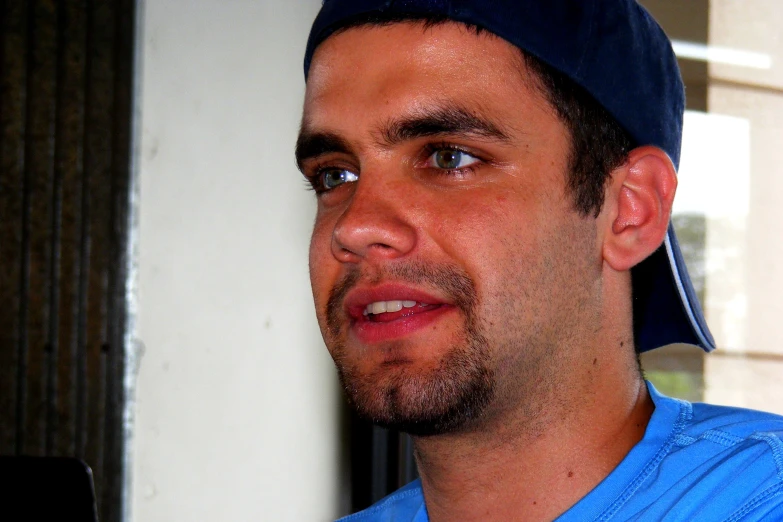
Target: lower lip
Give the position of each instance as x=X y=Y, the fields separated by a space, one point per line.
x=370 y=332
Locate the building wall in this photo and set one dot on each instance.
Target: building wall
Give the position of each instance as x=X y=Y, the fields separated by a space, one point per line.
x=731 y=177
x=747 y=372
x=235 y=413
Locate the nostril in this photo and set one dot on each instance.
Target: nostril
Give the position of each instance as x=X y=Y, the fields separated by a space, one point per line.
x=344 y=254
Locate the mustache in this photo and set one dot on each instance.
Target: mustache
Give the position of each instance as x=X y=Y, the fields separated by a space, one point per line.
x=450 y=280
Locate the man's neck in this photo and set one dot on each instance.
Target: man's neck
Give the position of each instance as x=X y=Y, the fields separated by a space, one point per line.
x=510 y=471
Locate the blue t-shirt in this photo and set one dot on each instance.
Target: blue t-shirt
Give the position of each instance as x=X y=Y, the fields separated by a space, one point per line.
x=696 y=462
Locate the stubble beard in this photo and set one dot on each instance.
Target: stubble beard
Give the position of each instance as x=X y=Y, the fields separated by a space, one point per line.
x=445 y=399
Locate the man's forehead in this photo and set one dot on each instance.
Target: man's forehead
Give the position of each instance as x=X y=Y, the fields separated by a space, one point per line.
x=405 y=43
x=429 y=67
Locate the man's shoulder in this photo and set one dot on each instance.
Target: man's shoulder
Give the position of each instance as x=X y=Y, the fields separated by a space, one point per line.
x=730 y=432
x=405 y=504
x=741 y=422
x=721 y=463
x=697 y=462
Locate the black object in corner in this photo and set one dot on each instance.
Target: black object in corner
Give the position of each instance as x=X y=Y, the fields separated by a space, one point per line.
x=43 y=489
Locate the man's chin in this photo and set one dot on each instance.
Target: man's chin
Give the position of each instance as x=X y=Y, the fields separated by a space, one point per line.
x=436 y=403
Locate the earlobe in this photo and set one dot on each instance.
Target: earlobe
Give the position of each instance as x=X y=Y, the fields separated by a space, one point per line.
x=639 y=203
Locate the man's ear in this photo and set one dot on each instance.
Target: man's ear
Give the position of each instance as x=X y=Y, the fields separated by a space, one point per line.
x=638 y=207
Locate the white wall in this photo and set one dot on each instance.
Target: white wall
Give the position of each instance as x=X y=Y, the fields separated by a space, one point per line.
x=236 y=399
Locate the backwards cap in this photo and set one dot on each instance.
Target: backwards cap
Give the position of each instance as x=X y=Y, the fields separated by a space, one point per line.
x=619 y=54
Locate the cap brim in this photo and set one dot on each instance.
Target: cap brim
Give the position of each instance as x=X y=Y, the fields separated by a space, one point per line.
x=666 y=308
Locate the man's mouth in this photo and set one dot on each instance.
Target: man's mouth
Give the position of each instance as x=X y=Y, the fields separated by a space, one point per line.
x=391 y=311
x=385 y=311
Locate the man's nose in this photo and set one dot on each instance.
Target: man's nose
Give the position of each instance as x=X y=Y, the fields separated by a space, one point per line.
x=375 y=225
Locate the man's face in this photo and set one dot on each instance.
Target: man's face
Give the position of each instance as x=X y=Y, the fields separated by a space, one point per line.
x=441 y=172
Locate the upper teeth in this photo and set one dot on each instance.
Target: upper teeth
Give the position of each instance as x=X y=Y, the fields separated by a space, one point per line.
x=380 y=307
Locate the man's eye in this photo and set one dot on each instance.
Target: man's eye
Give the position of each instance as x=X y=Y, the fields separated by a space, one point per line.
x=334 y=177
x=451 y=159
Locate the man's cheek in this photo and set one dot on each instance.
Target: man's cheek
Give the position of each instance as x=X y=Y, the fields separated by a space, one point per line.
x=320 y=247
x=317 y=266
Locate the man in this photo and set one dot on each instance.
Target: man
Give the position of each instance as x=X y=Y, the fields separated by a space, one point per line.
x=491 y=250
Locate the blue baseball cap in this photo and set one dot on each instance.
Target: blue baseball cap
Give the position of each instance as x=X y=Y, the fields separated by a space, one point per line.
x=619 y=54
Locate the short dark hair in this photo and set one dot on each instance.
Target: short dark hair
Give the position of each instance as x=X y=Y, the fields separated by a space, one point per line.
x=598 y=143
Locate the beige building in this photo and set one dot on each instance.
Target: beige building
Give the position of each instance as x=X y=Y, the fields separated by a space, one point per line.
x=728 y=204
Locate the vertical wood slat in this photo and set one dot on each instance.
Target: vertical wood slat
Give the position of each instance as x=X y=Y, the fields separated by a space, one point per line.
x=85 y=266
x=39 y=167
x=12 y=117
x=68 y=168
x=24 y=270
x=97 y=167
x=65 y=107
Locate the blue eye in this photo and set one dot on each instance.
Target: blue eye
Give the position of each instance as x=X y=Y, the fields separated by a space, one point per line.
x=451 y=159
x=334 y=177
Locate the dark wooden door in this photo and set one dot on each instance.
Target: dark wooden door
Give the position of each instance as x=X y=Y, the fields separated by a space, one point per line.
x=66 y=76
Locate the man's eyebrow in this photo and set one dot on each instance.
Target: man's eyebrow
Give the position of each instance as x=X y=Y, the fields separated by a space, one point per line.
x=311 y=144
x=438 y=121
x=450 y=120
